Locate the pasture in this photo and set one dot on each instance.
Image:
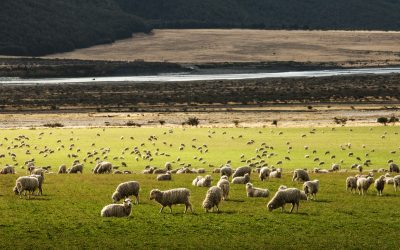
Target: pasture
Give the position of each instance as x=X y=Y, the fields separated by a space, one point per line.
x=68 y=214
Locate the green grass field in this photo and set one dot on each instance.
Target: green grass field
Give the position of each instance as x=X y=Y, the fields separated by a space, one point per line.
x=68 y=214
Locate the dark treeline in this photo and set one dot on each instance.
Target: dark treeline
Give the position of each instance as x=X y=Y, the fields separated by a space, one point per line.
x=37 y=27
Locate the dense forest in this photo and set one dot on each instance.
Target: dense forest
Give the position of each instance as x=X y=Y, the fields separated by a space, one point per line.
x=38 y=27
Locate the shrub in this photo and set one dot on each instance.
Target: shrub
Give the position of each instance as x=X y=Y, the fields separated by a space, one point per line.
x=382 y=120
x=193 y=121
x=236 y=122
x=162 y=122
x=340 y=120
x=53 y=125
x=275 y=122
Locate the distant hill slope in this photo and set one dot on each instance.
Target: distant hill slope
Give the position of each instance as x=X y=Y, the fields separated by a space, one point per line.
x=38 y=27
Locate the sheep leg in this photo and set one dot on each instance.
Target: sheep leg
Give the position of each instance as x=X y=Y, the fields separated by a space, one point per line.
x=137 y=199
x=170 y=209
x=291 y=210
x=217 y=208
x=162 y=208
x=283 y=208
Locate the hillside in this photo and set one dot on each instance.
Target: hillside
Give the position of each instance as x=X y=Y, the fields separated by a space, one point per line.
x=38 y=27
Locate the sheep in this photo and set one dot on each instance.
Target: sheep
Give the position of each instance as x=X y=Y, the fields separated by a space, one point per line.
x=213 y=198
x=289 y=195
x=7 y=170
x=282 y=187
x=256 y=192
x=62 y=169
x=276 y=173
x=103 y=168
x=363 y=184
x=41 y=180
x=172 y=197
x=76 y=169
x=26 y=183
x=394 y=168
x=117 y=172
x=204 y=181
x=300 y=175
x=241 y=171
x=164 y=177
x=241 y=179
x=223 y=183
x=320 y=171
x=226 y=170
x=264 y=173
x=311 y=188
x=335 y=167
x=380 y=184
x=38 y=171
x=126 y=189
x=194 y=182
x=117 y=210
x=396 y=182
x=351 y=182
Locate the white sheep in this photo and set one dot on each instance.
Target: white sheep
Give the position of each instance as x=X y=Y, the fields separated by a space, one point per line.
x=126 y=189
x=164 y=177
x=24 y=184
x=241 y=179
x=223 y=183
x=289 y=195
x=7 y=170
x=241 y=171
x=117 y=210
x=62 y=169
x=363 y=184
x=172 y=197
x=103 y=168
x=213 y=198
x=40 y=178
x=276 y=173
x=194 y=182
x=300 y=175
x=76 y=169
x=335 y=167
x=396 y=182
x=264 y=173
x=351 y=182
x=380 y=184
x=311 y=188
x=256 y=192
x=204 y=181
x=226 y=170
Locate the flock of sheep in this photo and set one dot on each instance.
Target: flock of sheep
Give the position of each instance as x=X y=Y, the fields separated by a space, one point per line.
x=215 y=194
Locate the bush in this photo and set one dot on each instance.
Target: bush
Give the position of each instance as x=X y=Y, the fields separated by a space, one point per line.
x=193 y=121
x=340 y=120
x=132 y=124
x=162 y=122
x=393 y=119
x=275 y=123
x=236 y=122
x=53 y=125
x=383 y=120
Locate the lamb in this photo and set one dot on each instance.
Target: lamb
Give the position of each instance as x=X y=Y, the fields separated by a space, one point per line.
x=164 y=177
x=394 y=168
x=264 y=173
x=194 y=182
x=256 y=192
x=76 y=169
x=40 y=178
x=380 y=184
x=289 y=195
x=126 y=189
x=241 y=171
x=241 y=179
x=300 y=175
x=276 y=173
x=351 y=182
x=213 y=198
x=223 y=183
x=396 y=182
x=62 y=169
x=26 y=183
x=117 y=210
x=172 y=197
x=204 y=181
x=226 y=170
x=7 y=170
x=311 y=188
x=103 y=168
x=363 y=184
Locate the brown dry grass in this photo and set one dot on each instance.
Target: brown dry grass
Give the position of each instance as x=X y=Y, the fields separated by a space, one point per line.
x=236 y=45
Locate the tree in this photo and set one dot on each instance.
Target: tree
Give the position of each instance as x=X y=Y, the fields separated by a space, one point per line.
x=193 y=121
x=275 y=122
x=383 y=120
x=393 y=119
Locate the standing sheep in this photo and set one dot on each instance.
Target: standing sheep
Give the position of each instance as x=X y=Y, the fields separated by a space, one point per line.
x=204 y=181
x=396 y=182
x=241 y=171
x=117 y=210
x=241 y=179
x=363 y=184
x=76 y=169
x=256 y=192
x=213 y=198
x=164 y=177
x=103 y=168
x=311 y=188
x=300 y=175
x=289 y=195
x=62 y=169
x=223 y=183
x=380 y=184
x=226 y=170
x=24 y=184
x=172 y=197
x=276 y=173
x=264 y=173
x=394 y=168
x=40 y=178
x=351 y=182
x=126 y=189
x=7 y=170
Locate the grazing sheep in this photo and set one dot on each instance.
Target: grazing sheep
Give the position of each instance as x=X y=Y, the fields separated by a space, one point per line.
x=276 y=173
x=216 y=170
x=164 y=177
x=256 y=192
x=264 y=173
x=396 y=182
x=148 y=170
x=363 y=184
x=7 y=170
x=311 y=188
x=241 y=171
x=172 y=197
x=320 y=171
x=76 y=169
x=300 y=175
x=40 y=178
x=204 y=181
x=117 y=210
x=226 y=170
x=62 y=169
x=380 y=184
x=394 y=168
x=351 y=182
x=103 y=168
x=335 y=167
x=126 y=189
x=213 y=198
x=241 y=179
x=283 y=196
x=117 y=172
x=26 y=183
x=38 y=171
x=223 y=183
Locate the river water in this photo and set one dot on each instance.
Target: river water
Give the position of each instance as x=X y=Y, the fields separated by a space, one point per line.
x=184 y=77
